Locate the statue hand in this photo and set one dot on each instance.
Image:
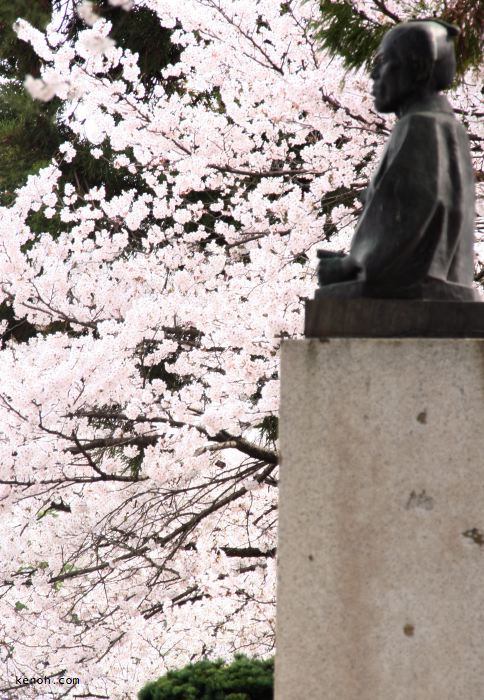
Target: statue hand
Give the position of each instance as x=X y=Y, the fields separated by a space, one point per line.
x=334 y=268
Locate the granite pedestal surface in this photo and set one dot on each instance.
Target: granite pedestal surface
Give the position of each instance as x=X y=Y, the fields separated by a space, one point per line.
x=381 y=515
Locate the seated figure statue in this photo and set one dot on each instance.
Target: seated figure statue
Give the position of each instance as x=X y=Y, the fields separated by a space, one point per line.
x=415 y=236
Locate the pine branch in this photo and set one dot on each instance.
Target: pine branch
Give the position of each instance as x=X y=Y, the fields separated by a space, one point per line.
x=347 y=32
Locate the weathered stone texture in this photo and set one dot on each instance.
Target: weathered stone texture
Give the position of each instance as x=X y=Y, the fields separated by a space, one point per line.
x=381 y=534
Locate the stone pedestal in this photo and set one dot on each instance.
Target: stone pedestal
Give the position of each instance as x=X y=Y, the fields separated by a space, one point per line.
x=381 y=530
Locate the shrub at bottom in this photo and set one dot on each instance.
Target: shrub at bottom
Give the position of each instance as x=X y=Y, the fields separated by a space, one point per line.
x=243 y=679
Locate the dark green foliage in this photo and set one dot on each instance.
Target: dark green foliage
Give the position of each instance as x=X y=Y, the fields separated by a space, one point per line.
x=139 y=31
x=345 y=31
x=269 y=429
x=86 y=172
x=29 y=137
x=28 y=132
x=16 y=57
x=468 y=15
x=350 y=33
x=18 y=329
x=244 y=679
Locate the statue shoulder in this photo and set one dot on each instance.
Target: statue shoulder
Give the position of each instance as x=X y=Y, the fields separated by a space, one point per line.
x=432 y=129
x=421 y=129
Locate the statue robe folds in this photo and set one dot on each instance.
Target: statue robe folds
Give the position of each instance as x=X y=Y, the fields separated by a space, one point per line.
x=415 y=236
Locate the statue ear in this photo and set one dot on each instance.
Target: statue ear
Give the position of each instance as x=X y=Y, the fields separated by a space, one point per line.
x=422 y=68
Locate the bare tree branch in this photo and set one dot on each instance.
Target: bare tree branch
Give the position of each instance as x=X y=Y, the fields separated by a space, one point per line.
x=239 y=443
x=248 y=552
x=138 y=440
x=281 y=172
x=384 y=10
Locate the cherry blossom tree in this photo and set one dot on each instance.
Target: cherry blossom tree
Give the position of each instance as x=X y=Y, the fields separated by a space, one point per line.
x=138 y=424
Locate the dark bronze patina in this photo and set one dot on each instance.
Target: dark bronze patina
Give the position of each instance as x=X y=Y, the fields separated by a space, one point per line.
x=415 y=236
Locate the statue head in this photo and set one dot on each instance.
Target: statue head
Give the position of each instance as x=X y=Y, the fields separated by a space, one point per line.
x=414 y=59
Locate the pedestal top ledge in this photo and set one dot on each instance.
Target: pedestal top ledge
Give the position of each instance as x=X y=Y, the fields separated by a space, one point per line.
x=393 y=318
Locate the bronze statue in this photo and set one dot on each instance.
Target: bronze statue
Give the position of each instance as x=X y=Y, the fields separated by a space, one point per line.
x=415 y=236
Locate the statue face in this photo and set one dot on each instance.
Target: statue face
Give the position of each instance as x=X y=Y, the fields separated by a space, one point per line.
x=392 y=82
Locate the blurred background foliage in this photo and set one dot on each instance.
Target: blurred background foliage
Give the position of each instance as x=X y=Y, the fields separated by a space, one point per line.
x=349 y=32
